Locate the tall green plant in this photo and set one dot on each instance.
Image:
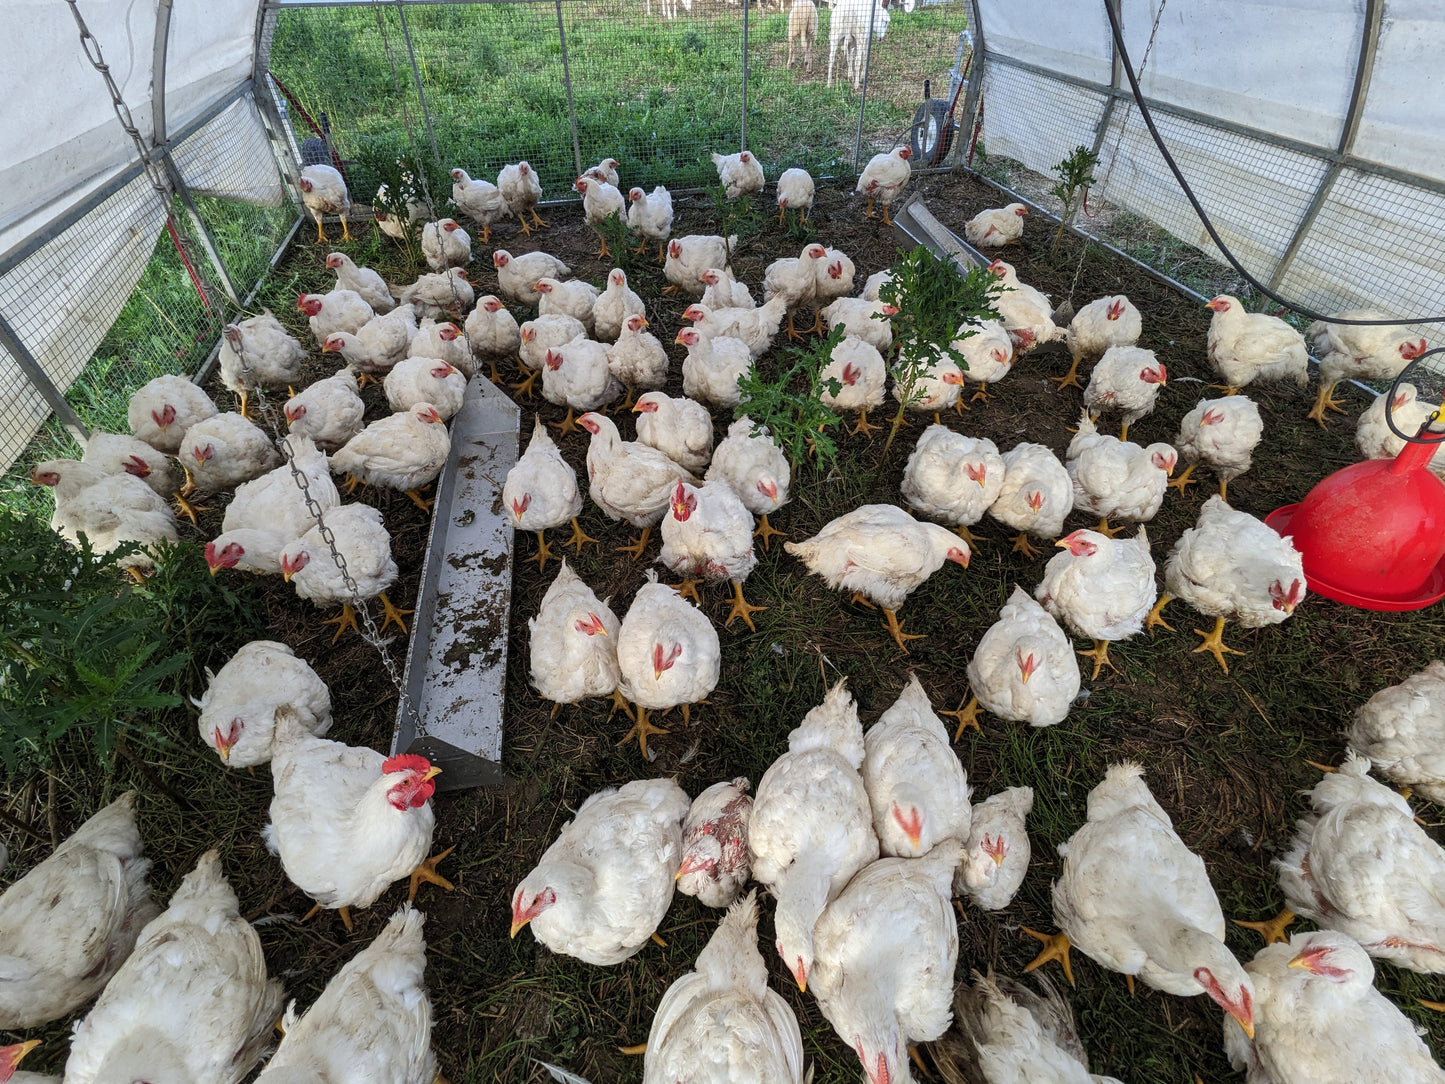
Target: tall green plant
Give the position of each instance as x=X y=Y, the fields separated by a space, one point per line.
x=789 y=404
x=735 y=217
x=1076 y=176
x=937 y=304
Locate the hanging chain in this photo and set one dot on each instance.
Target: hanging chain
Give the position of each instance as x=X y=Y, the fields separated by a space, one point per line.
x=1123 y=125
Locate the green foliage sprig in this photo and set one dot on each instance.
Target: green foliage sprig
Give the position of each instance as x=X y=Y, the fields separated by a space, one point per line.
x=789 y=405
x=737 y=217
x=1076 y=176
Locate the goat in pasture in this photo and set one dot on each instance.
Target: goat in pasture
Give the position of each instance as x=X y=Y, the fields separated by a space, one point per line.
x=848 y=33
x=802 y=30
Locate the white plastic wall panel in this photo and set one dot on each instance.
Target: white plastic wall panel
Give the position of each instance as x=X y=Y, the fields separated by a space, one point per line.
x=1072 y=38
x=1404 y=119
x=1035 y=120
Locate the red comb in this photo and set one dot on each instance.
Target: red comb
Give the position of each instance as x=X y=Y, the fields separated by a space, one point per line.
x=405 y=762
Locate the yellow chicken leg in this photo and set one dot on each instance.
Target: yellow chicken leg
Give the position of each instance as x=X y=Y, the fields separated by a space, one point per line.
x=967 y=716
x=543 y=551
x=864 y=426
x=637 y=547
x=1022 y=545
x=525 y=387
x=345 y=229
x=1215 y=645
x=347 y=620
x=424 y=503
x=1100 y=655
x=578 y=536
x=1069 y=379
x=895 y=627
x=766 y=530
x=741 y=608
x=541 y=225
x=427 y=871
x=1185 y=479
x=642 y=730
x=1273 y=929
x=1323 y=402
x=566 y=425
x=1056 y=947
x=391 y=614
x=321 y=237
x=1156 y=615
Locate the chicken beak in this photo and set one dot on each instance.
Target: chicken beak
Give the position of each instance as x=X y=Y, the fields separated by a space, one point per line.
x=637 y=409
x=431 y=773
x=1246 y=1025
x=517 y=926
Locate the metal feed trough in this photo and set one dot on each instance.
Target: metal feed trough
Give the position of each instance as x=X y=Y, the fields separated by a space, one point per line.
x=456 y=664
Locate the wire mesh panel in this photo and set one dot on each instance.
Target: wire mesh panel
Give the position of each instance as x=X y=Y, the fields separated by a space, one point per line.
x=1014 y=99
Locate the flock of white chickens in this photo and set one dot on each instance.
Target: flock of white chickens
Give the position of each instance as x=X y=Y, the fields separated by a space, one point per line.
x=862 y=839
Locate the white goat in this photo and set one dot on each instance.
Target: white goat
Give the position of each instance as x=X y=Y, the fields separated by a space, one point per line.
x=848 y=32
x=802 y=30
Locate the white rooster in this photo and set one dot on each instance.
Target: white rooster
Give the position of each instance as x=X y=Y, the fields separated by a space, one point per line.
x=738 y=173
x=614 y=305
x=403 y=451
x=329 y=412
x=996 y=226
x=365 y=545
x=861 y=374
x=1116 y=479
x=573 y=650
x=362 y=280
x=537 y=337
x=541 y=493
x=953 y=478
x=1101 y=588
x=160 y=411
x=637 y=359
x=688 y=257
x=1127 y=379
x=259 y=353
x=600 y=201
x=1036 y=497
x=651 y=216
x=713 y=367
x=795 y=192
x=707 y=534
x=715 y=863
x=1024 y=668
x=445 y=244
x=239 y=706
x=480 y=201
x=1222 y=434
x=628 y=480
x=517 y=275
x=988 y=351
x=577 y=375
x=1359 y=352
x=224 y=451
x=998 y=849
x=680 y=429
x=522 y=191
x=1099 y=325
x=884 y=178
x=1401 y=729
x=117 y=453
x=1245 y=346
x=756 y=469
x=1025 y=312
x=425 y=379
x=108 y=509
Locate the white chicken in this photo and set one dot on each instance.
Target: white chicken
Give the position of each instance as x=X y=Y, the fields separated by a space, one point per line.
x=723 y=291
x=541 y=493
x=755 y=467
x=445 y=244
x=989 y=353
x=1319 y=1020
x=713 y=367
x=680 y=429
x=715 y=863
x=917 y=788
x=795 y=192
x=883 y=180
x=1036 y=497
x=1134 y=899
x=739 y=174
x=403 y=451
x=362 y=280
x=109 y=509
x=953 y=478
x=191 y=1003
x=875 y=283
x=346 y=821
x=1102 y=588
x=522 y=191
x=447 y=294
x=268 y=513
x=832 y=279
x=881 y=554
x=637 y=359
x=628 y=480
x=1401 y=729
x=1222 y=434
x=1245 y=346
x=374 y=1012
x=936 y=387
x=418 y=380
x=365 y=545
x=600 y=890
x=492 y=333
x=600 y=201
x=998 y=849
x=669 y=655
x=1025 y=312
x=1127 y=379
x=755 y=326
x=1373 y=435
x=573 y=642
x=612 y=307
x=1360 y=865
x=688 y=257
x=223 y=452
x=1230 y=566
x=573 y=298
x=861 y=374
x=444 y=340
x=326 y=314
x=795 y=281
x=479 y=200
x=379 y=345
x=1359 y=352
x=996 y=227
x=707 y=534
x=537 y=337
x=721 y=1023
x=651 y=216
x=576 y=375
x=1007 y=1034
x=1116 y=479
x=886 y=951
x=161 y=410
x=605 y=170
x=239 y=706
x=1102 y=323
x=811 y=828
x=116 y=453
x=1023 y=668
x=517 y=275
x=258 y=353
x=68 y=925
x=859 y=316
x=323 y=191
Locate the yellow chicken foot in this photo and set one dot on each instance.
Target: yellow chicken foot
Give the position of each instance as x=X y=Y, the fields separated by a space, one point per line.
x=633 y=1051
x=522 y=222
x=364 y=380
x=424 y=503
x=868 y=213
x=1022 y=545
x=1228 y=389
x=967 y=535
x=1215 y=645
x=136 y=575
x=642 y=730
x=979 y=394
x=818 y=327
x=765 y=529
x=602 y=253
x=967 y=717
x=494 y=376
x=427 y=872
x=486 y=233
x=1272 y=928
x=566 y=425
x=662 y=258
x=1104 y=529
x=349 y=486
x=1069 y=379
x=896 y=628
x=1187 y=478
x=688 y=589
x=793 y=333
x=391 y=614
x=1325 y=401
x=1100 y=655
x=1056 y=947
x=541 y=225
x=619 y=703
x=859 y=599
x=637 y=547
x=347 y=620
x=656 y=939
x=185 y=507
x=321 y=237
x=742 y=609
x=863 y=425
x=1156 y=615
x=345 y=229
x=578 y=536
x=525 y=387
x=543 y=551
x=886 y=220
x=626 y=406
x=1433 y=1006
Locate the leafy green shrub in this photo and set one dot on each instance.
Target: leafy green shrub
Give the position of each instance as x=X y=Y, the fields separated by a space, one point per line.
x=789 y=405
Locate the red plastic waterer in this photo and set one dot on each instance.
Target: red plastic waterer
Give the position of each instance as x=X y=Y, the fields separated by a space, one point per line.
x=1373 y=534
